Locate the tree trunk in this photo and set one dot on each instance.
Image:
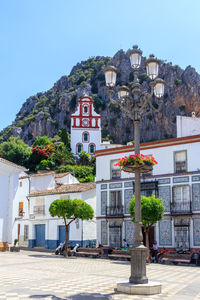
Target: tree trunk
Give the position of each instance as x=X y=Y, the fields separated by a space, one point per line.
x=66 y=240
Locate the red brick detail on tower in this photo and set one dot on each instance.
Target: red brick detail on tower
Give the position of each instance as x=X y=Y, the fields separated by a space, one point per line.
x=85 y=115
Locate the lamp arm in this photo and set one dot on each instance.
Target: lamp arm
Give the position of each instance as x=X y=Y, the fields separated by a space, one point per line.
x=146 y=101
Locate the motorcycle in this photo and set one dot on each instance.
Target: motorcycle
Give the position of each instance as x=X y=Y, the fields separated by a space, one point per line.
x=71 y=249
x=60 y=249
x=157 y=256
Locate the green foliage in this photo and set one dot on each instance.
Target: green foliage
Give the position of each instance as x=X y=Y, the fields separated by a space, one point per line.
x=15 y=242
x=99 y=104
x=82 y=173
x=114 y=108
x=62 y=155
x=152 y=210
x=29 y=119
x=73 y=102
x=68 y=208
x=41 y=141
x=45 y=164
x=177 y=81
x=54 y=122
x=65 y=137
x=182 y=108
x=16 y=151
x=84 y=158
x=104 y=132
x=142 y=77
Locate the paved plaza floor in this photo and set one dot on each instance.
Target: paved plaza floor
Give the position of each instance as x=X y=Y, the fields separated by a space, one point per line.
x=36 y=275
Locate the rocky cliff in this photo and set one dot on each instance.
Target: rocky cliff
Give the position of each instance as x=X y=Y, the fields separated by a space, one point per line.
x=46 y=113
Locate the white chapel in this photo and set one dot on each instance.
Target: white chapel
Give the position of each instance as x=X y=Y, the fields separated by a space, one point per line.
x=86 y=128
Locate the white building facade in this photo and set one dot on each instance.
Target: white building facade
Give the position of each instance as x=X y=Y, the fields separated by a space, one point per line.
x=9 y=179
x=176 y=179
x=36 y=192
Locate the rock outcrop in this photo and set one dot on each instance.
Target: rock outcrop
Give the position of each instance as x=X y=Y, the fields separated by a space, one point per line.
x=46 y=113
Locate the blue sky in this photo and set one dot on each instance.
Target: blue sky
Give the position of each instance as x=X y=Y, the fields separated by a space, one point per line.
x=41 y=40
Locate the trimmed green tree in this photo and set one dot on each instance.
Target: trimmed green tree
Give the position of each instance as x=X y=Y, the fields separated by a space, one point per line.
x=152 y=211
x=70 y=210
x=15 y=150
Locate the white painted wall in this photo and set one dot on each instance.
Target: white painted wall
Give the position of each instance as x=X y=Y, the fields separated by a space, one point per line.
x=51 y=224
x=77 y=137
x=187 y=126
x=41 y=183
x=9 y=174
x=164 y=156
x=67 y=179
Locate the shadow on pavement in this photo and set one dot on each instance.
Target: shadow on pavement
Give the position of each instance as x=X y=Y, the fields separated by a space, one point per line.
x=81 y=296
x=44 y=255
x=46 y=296
x=117 y=262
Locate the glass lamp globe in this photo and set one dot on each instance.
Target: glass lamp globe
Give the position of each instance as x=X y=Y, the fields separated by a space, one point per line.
x=159 y=88
x=110 y=76
x=135 y=57
x=123 y=91
x=152 y=66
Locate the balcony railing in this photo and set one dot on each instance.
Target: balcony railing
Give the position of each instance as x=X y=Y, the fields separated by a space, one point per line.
x=39 y=210
x=116 y=173
x=114 y=211
x=181 y=166
x=181 y=208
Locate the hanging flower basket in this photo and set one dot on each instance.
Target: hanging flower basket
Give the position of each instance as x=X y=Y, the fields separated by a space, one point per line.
x=133 y=162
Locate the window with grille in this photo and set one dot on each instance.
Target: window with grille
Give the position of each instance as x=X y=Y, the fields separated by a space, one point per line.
x=181 y=198
x=180 y=161
x=115 y=170
x=85 y=137
x=92 y=149
x=25 y=232
x=39 y=210
x=79 y=148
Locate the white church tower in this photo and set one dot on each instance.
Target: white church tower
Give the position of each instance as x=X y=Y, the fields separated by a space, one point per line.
x=85 y=127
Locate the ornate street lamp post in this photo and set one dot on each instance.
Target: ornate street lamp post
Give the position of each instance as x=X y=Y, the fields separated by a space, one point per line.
x=135 y=102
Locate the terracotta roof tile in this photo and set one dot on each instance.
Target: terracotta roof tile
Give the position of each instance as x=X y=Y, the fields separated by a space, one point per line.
x=60 y=175
x=67 y=188
x=12 y=164
x=42 y=174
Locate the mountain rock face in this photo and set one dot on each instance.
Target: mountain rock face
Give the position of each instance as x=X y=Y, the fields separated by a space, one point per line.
x=46 y=113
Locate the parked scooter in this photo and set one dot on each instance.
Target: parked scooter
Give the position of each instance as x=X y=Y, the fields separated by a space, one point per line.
x=60 y=249
x=157 y=256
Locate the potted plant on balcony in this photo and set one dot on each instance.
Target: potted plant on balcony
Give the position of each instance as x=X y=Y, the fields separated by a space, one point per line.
x=136 y=161
x=16 y=247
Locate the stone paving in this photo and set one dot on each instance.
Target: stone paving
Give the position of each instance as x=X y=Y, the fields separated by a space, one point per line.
x=36 y=275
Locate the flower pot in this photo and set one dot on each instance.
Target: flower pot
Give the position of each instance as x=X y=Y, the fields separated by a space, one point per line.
x=143 y=168
x=14 y=249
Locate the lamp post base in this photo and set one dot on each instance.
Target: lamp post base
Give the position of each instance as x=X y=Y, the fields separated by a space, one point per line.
x=150 y=288
x=138 y=265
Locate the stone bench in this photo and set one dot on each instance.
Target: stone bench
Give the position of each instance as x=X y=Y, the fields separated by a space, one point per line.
x=88 y=252
x=120 y=255
x=175 y=261
x=4 y=247
x=176 y=258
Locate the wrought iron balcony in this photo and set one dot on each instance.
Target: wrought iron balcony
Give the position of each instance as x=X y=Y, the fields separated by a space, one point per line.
x=115 y=211
x=39 y=210
x=181 y=208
